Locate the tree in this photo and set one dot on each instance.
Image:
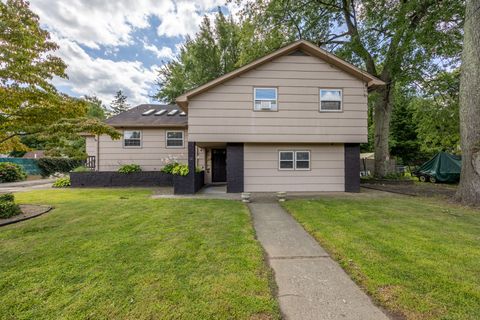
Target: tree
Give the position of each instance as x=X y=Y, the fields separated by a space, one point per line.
x=31 y=105
x=96 y=109
x=469 y=189
x=119 y=103
x=213 y=52
x=393 y=40
x=436 y=114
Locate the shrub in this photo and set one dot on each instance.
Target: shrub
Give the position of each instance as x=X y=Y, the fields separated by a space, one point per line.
x=9 y=209
x=62 y=183
x=7 y=197
x=81 y=169
x=169 y=167
x=180 y=169
x=130 y=168
x=11 y=172
x=49 y=166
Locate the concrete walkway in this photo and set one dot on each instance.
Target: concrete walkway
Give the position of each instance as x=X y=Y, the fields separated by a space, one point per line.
x=310 y=284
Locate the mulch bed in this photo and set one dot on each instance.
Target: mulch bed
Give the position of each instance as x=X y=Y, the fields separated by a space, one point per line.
x=417 y=189
x=29 y=211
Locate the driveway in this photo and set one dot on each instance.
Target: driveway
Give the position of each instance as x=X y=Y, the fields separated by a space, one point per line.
x=26 y=185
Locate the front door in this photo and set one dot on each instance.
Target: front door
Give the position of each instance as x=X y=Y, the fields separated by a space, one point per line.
x=219 y=165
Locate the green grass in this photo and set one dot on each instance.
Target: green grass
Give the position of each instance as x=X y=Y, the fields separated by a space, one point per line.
x=117 y=254
x=418 y=257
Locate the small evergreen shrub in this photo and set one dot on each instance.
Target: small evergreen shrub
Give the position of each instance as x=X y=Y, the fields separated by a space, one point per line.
x=9 y=209
x=49 y=166
x=11 y=172
x=7 y=197
x=129 y=168
x=63 y=182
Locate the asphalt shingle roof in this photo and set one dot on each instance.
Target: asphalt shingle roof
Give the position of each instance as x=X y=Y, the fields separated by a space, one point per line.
x=134 y=117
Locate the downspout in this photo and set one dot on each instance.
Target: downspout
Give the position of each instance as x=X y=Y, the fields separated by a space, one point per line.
x=98 y=153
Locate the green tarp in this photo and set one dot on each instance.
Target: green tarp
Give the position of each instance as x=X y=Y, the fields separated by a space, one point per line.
x=443 y=167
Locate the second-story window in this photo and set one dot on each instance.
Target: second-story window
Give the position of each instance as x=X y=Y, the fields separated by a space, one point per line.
x=265 y=99
x=331 y=100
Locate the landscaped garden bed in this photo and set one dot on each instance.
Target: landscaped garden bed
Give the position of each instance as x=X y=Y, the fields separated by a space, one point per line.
x=416 y=256
x=118 y=254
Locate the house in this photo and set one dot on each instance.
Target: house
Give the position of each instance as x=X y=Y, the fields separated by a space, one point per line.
x=290 y=121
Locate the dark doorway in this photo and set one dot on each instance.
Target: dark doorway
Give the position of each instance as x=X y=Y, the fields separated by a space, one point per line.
x=219 y=165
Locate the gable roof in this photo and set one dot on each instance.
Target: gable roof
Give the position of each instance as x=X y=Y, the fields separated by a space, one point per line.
x=134 y=117
x=301 y=45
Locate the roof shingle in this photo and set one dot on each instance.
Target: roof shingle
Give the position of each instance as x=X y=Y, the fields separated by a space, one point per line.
x=134 y=117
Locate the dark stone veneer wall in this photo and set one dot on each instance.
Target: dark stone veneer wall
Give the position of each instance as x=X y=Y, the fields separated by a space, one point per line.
x=352 y=167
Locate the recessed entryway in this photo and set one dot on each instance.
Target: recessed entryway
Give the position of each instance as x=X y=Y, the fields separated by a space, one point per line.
x=219 y=165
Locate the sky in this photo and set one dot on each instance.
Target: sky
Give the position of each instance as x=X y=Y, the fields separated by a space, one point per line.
x=119 y=45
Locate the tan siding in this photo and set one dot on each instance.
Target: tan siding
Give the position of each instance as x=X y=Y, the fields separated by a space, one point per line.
x=91 y=146
x=225 y=113
x=262 y=173
x=152 y=156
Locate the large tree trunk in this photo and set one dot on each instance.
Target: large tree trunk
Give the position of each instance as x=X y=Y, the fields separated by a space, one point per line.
x=469 y=189
x=383 y=113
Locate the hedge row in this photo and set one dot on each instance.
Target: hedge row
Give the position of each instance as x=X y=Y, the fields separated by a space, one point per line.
x=49 y=166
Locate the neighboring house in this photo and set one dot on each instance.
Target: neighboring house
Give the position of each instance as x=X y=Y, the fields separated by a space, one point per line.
x=35 y=154
x=290 y=121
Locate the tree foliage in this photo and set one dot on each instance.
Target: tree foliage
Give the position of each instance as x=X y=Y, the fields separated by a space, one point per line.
x=31 y=105
x=214 y=51
x=119 y=103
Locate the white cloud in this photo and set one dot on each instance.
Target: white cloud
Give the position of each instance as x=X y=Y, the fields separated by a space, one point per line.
x=164 y=52
x=108 y=25
x=104 y=77
x=98 y=22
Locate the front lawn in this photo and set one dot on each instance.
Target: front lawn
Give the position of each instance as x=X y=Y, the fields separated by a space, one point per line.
x=418 y=257
x=117 y=254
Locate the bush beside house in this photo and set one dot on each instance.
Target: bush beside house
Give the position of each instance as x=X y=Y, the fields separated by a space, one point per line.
x=11 y=172
x=49 y=166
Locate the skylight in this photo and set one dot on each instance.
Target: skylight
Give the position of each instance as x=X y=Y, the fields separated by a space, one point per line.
x=182 y=114
x=148 y=112
x=173 y=112
x=159 y=113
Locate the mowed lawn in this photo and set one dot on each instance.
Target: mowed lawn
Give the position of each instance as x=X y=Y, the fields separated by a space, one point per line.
x=418 y=257
x=117 y=254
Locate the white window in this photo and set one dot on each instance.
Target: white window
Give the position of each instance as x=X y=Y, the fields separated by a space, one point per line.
x=265 y=99
x=132 y=139
x=302 y=160
x=286 y=160
x=294 y=160
x=330 y=100
x=174 y=139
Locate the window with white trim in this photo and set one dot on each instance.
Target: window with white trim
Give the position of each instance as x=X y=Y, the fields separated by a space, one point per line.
x=174 y=139
x=294 y=160
x=330 y=100
x=265 y=99
x=132 y=138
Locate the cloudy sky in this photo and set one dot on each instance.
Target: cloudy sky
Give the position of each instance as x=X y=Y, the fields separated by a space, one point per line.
x=112 y=45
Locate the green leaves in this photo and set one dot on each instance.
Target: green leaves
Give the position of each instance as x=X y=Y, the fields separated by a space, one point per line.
x=31 y=105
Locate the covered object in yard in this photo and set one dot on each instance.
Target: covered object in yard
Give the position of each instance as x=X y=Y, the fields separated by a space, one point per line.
x=443 y=167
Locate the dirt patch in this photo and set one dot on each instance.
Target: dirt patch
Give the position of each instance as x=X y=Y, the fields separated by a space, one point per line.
x=417 y=189
x=29 y=211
